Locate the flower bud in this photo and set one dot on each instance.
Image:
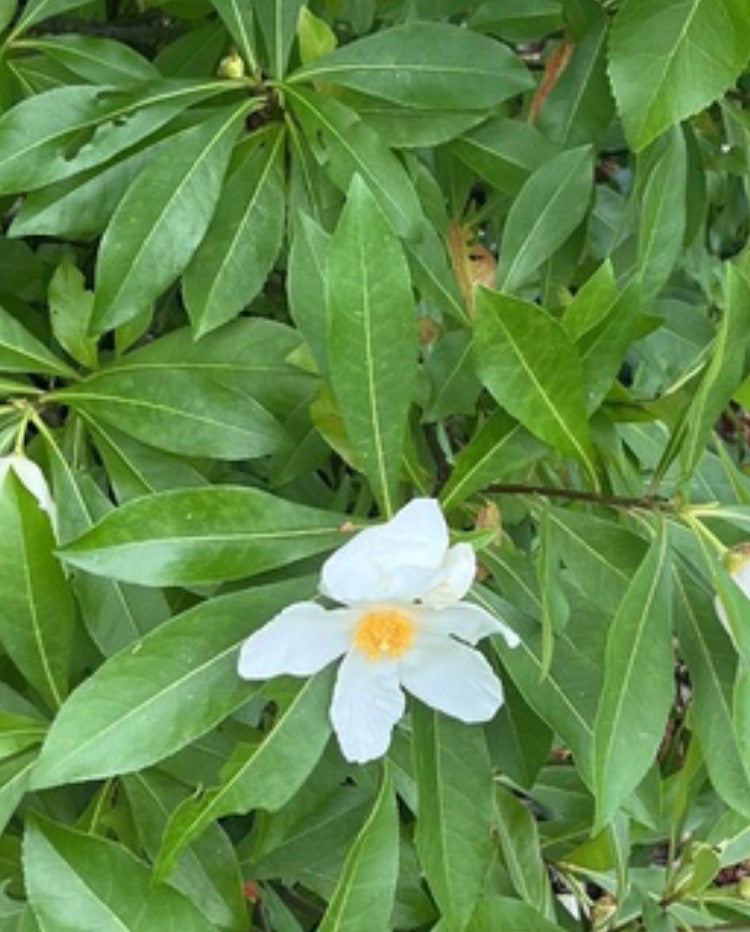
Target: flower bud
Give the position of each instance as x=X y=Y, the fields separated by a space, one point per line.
x=737 y=562
x=231 y=66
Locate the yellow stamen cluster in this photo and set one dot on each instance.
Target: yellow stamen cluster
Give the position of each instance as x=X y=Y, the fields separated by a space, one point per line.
x=384 y=633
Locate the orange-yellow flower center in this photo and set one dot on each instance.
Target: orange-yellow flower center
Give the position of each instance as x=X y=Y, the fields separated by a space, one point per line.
x=384 y=633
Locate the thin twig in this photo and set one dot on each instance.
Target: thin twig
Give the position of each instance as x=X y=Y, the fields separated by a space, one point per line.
x=650 y=502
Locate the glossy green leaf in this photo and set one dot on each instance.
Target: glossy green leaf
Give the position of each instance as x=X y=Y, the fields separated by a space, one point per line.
x=504 y=152
x=202 y=536
x=161 y=220
x=422 y=64
x=100 y=61
x=726 y=368
x=671 y=58
x=277 y=20
x=207 y=871
x=454 y=811
x=71 y=306
x=264 y=775
x=712 y=662
x=176 y=410
x=155 y=697
x=68 y=130
x=20 y=351
x=37 y=614
x=371 y=338
x=638 y=683
x=365 y=890
x=353 y=148
x=500 y=912
x=242 y=241
x=566 y=697
x=579 y=107
x=500 y=449
x=528 y=363
x=114 y=614
x=519 y=839
x=306 y=284
x=663 y=215
x=70 y=885
x=15 y=775
x=549 y=206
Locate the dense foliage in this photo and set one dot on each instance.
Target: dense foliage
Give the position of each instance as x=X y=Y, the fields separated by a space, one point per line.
x=270 y=271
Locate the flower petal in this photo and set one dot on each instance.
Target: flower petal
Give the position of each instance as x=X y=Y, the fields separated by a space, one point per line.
x=396 y=560
x=367 y=703
x=466 y=621
x=300 y=640
x=454 y=577
x=452 y=678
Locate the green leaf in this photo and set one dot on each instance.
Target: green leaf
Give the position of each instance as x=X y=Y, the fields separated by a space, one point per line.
x=100 y=61
x=238 y=19
x=306 y=283
x=67 y=130
x=499 y=449
x=518 y=20
x=519 y=839
x=725 y=370
x=566 y=697
x=372 y=342
x=365 y=890
x=264 y=775
x=162 y=218
x=169 y=688
x=114 y=614
x=353 y=148
x=278 y=24
x=500 y=912
x=80 y=883
x=176 y=410
x=529 y=364
x=242 y=241
x=670 y=58
x=504 y=152
x=663 y=215
x=454 y=814
x=37 y=614
x=638 y=683
x=15 y=775
x=207 y=872
x=191 y=537
x=549 y=207
x=428 y=65
x=603 y=348
x=39 y=10
x=712 y=662
x=579 y=107
x=70 y=307
x=22 y=352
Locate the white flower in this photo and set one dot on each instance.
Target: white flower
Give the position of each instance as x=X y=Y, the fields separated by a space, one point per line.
x=31 y=477
x=737 y=562
x=404 y=625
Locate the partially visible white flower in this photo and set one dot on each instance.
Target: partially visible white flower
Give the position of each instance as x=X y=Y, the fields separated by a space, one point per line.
x=403 y=625
x=31 y=477
x=737 y=562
